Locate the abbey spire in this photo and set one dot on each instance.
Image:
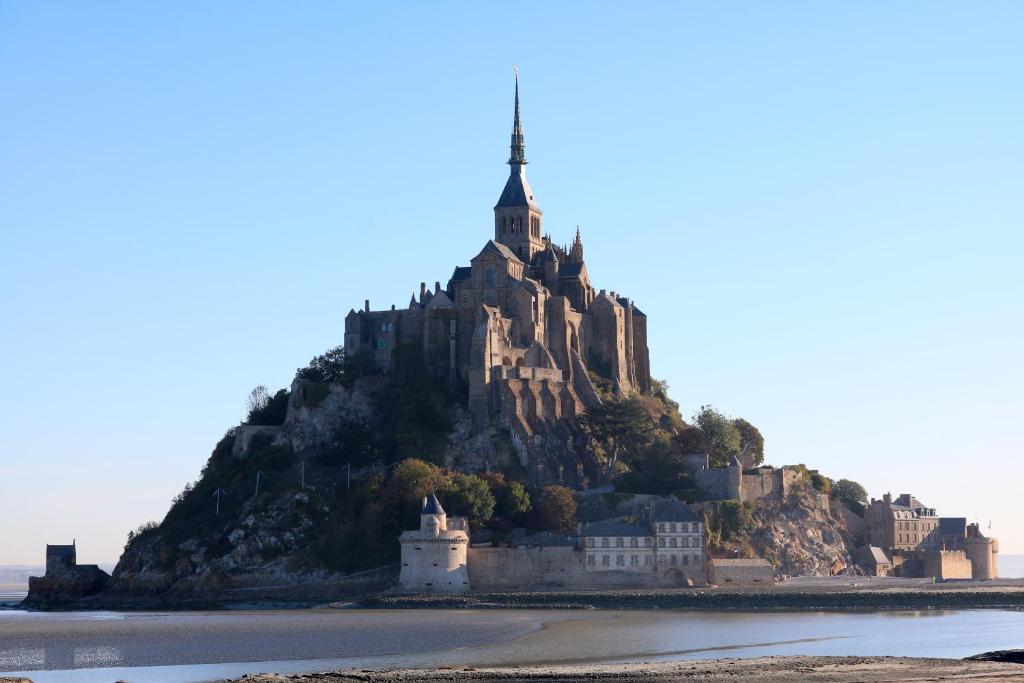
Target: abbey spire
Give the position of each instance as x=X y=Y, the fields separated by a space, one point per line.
x=517 y=218
x=517 y=149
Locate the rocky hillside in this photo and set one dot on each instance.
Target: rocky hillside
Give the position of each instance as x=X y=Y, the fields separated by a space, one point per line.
x=305 y=502
x=305 y=499
x=799 y=534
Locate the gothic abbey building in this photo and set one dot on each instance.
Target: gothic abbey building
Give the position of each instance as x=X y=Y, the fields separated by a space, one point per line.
x=520 y=328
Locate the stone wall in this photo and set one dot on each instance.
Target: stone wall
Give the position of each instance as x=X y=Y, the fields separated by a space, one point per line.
x=741 y=572
x=713 y=482
x=558 y=568
x=764 y=484
x=854 y=522
x=946 y=564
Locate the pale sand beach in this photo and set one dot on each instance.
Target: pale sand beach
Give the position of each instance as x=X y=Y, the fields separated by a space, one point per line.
x=832 y=669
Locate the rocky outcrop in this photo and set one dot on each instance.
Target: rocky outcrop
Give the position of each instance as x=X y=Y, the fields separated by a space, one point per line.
x=53 y=590
x=800 y=536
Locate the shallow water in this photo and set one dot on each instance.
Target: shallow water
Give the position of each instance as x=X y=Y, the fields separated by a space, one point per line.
x=201 y=646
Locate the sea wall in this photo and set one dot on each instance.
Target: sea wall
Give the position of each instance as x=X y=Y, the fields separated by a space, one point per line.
x=557 y=568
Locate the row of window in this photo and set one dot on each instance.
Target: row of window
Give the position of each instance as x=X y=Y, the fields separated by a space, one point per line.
x=648 y=542
x=605 y=542
x=644 y=560
x=679 y=527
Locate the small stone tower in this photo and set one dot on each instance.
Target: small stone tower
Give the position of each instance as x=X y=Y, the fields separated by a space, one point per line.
x=434 y=556
x=734 y=483
x=60 y=559
x=981 y=551
x=517 y=218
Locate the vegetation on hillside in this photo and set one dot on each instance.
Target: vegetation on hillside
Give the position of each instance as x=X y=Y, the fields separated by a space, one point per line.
x=349 y=524
x=640 y=442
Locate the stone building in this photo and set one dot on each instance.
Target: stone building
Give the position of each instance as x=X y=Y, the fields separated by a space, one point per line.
x=669 y=543
x=873 y=559
x=741 y=572
x=520 y=329
x=903 y=524
x=434 y=556
x=923 y=544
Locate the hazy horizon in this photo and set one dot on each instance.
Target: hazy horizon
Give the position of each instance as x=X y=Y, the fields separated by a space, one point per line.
x=817 y=207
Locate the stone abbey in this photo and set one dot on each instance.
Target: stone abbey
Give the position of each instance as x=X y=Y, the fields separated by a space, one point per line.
x=520 y=329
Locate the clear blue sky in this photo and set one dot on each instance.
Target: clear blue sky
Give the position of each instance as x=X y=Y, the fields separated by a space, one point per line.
x=818 y=205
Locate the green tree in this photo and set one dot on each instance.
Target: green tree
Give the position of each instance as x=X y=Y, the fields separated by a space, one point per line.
x=617 y=429
x=328 y=367
x=850 y=493
x=556 y=510
x=821 y=483
x=657 y=469
x=334 y=366
x=751 y=443
x=512 y=500
x=415 y=478
x=267 y=410
x=735 y=519
x=722 y=435
x=470 y=495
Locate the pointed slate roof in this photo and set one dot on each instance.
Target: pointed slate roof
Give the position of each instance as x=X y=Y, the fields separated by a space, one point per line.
x=431 y=506
x=517 y=190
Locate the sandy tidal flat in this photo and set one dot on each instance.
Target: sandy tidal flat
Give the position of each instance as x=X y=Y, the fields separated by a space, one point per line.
x=835 y=669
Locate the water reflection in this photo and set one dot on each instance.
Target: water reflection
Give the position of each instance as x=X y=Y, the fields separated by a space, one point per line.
x=137 y=647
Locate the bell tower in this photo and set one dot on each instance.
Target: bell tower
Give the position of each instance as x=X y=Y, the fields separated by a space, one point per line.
x=517 y=218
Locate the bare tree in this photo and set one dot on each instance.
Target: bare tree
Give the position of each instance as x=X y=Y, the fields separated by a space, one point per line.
x=258 y=399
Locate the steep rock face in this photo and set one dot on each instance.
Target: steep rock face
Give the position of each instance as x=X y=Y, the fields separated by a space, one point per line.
x=800 y=536
x=252 y=550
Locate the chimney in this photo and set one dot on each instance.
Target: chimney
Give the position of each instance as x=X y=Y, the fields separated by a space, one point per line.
x=366 y=305
x=392 y=307
x=423 y=291
x=887 y=498
x=437 y=287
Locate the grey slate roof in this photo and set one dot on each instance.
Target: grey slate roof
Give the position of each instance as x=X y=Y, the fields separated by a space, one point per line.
x=499 y=248
x=672 y=510
x=570 y=269
x=517 y=191
x=953 y=526
x=462 y=273
x=431 y=506
x=617 y=526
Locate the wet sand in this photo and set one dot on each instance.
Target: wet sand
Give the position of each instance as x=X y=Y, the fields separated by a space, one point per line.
x=199 y=647
x=833 y=669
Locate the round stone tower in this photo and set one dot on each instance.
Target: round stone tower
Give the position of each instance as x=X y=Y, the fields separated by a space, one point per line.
x=981 y=551
x=434 y=556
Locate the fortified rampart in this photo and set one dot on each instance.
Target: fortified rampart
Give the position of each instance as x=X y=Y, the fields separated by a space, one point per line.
x=736 y=483
x=946 y=564
x=557 y=568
